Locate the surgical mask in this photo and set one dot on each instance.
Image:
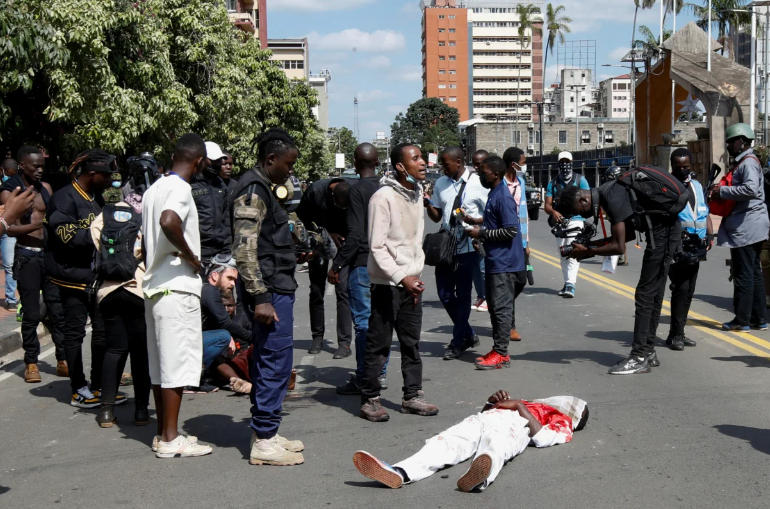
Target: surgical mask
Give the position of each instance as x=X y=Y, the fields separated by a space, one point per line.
x=522 y=168
x=116 y=184
x=5 y=177
x=565 y=171
x=411 y=179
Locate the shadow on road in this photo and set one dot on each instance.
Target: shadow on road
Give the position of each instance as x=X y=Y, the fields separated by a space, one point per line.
x=757 y=437
x=622 y=336
x=222 y=431
x=567 y=356
x=719 y=301
x=750 y=360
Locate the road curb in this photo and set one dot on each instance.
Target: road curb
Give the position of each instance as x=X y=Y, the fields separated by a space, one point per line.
x=11 y=341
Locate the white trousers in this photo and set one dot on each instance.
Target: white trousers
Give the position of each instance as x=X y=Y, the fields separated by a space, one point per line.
x=570 y=266
x=502 y=434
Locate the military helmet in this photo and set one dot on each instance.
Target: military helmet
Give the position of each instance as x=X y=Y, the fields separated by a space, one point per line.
x=613 y=173
x=738 y=130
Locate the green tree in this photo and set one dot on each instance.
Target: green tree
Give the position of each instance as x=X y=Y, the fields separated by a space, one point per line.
x=651 y=44
x=134 y=75
x=427 y=121
x=724 y=18
x=343 y=140
x=555 y=151
x=557 y=25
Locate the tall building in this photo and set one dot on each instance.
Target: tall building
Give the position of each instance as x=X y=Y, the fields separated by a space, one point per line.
x=577 y=94
x=320 y=83
x=293 y=54
x=474 y=60
x=249 y=16
x=615 y=97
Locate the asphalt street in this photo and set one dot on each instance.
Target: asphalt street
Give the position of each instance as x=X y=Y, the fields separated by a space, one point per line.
x=693 y=433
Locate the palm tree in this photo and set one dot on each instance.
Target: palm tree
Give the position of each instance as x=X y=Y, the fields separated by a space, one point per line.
x=723 y=17
x=528 y=20
x=556 y=24
x=651 y=44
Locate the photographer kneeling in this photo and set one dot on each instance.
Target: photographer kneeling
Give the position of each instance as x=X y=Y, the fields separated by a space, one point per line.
x=649 y=200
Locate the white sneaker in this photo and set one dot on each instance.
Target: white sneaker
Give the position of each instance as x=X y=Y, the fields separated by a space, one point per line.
x=289 y=445
x=84 y=398
x=483 y=307
x=157 y=439
x=182 y=447
x=270 y=452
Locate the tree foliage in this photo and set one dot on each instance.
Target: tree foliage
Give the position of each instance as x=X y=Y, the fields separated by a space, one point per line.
x=344 y=141
x=429 y=123
x=133 y=75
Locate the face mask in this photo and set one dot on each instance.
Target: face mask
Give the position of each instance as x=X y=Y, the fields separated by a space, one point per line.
x=484 y=183
x=5 y=177
x=116 y=184
x=411 y=179
x=682 y=176
x=523 y=168
x=565 y=171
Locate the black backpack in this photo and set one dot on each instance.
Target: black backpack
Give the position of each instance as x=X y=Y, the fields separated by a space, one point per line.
x=654 y=193
x=115 y=260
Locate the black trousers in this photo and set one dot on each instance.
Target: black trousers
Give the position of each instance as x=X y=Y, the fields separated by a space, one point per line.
x=683 y=277
x=79 y=304
x=648 y=298
x=393 y=308
x=125 y=332
x=29 y=272
x=501 y=291
x=749 y=292
x=318 y=269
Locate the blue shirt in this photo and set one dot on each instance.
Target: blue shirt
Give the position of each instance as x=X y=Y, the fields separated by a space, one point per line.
x=501 y=212
x=551 y=191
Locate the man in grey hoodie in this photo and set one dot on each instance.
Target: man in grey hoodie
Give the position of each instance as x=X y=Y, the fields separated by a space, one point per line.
x=744 y=230
x=396 y=259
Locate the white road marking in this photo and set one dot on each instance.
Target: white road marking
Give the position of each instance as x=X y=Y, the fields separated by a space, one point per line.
x=21 y=368
x=299 y=385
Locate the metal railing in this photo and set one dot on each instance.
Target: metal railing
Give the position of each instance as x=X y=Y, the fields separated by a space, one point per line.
x=590 y=163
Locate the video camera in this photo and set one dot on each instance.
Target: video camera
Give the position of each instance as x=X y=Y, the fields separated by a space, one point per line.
x=584 y=235
x=693 y=249
x=308 y=241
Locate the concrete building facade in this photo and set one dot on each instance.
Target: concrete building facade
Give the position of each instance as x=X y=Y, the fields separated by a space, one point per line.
x=615 y=97
x=249 y=16
x=294 y=56
x=497 y=75
x=577 y=95
x=320 y=83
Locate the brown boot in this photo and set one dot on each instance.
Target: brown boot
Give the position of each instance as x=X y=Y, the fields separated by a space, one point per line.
x=62 y=369
x=32 y=374
x=418 y=405
x=372 y=411
x=515 y=336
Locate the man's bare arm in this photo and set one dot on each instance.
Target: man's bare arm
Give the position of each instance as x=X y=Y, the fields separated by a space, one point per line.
x=171 y=224
x=519 y=406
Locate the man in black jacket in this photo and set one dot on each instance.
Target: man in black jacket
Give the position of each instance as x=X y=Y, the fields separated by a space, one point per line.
x=214 y=313
x=211 y=199
x=324 y=204
x=354 y=255
x=69 y=253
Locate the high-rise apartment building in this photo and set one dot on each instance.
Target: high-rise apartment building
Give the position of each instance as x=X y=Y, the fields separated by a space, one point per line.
x=249 y=16
x=474 y=59
x=615 y=97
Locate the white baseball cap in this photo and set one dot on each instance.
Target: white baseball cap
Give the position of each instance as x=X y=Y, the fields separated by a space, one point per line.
x=213 y=152
x=562 y=155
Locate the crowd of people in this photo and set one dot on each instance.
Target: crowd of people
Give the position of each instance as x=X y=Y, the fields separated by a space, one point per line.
x=191 y=272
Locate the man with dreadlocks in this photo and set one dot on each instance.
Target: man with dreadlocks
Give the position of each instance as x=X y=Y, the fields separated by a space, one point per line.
x=28 y=266
x=68 y=256
x=266 y=257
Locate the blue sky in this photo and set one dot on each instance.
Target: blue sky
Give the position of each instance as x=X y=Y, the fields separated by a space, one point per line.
x=372 y=47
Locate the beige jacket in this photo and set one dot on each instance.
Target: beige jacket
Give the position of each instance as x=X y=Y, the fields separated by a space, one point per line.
x=396 y=227
x=135 y=285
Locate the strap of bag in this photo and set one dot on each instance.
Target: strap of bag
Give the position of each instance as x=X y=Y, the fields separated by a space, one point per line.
x=456 y=205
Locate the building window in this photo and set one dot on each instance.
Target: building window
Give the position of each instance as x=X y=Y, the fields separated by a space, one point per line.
x=441 y=44
x=609 y=137
x=442 y=86
x=443 y=99
x=442 y=71
x=440 y=16
x=453 y=99
x=231 y=5
x=452 y=85
x=517 y=138
x=452 y=71
x=622 y=86
x=442 y=58
x=293 y=64
x=441 y=30
x=562 y=137
x=451 y=43
x=452 y=30
x=534 y=137
x=572 y=99
x=451 y=16
x=452 y=58
x=585 y=137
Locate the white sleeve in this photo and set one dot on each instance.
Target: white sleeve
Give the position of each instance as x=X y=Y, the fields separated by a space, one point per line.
x=179 y=200
x=547 y=437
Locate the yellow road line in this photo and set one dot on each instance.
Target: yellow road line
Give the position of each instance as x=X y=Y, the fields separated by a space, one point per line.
x=709 y=324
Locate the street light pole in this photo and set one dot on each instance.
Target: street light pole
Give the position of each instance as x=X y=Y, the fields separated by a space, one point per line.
x=764 y=71
x=708 y=58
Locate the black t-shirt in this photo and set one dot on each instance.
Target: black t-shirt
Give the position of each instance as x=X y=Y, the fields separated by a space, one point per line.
x=18 y=181
x=614 y=200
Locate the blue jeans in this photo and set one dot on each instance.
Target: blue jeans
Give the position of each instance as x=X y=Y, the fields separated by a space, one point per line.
x=360 y=295
x=478 y=279
x=454 y=290
x=271 y=367
x=8 y=246
x=214 y=343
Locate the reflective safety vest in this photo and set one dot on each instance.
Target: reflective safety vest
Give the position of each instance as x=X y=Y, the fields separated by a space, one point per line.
x=694 y=221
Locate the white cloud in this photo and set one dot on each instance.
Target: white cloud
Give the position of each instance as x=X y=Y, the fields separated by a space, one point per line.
x=407 y=73
x=374 y=95
x=378 y=62
x=411 y=9
x=614 y=12
x=315 y=5
x=618 y=53
x=353 y=39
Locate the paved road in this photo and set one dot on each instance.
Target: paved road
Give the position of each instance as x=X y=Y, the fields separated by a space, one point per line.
x=691 y=434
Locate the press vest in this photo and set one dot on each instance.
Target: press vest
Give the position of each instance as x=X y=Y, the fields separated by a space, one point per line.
x=275 y=245
x=695 y=221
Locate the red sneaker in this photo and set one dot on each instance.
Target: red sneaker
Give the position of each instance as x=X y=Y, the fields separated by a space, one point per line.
x=493 y=360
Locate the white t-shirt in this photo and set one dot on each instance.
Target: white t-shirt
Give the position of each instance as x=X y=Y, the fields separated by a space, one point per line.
x=165 y=271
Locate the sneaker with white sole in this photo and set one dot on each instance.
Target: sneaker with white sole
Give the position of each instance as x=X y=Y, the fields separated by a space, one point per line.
x=182 y=447
x=377 y=470
x=289 y=445
x=268 y=451
x=157 y=439
x=483 y=307
x=84 y=398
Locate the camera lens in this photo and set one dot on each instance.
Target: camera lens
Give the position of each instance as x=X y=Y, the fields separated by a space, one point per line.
x=565 y=251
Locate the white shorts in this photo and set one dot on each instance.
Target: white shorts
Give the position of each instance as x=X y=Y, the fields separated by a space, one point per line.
x=174 y=339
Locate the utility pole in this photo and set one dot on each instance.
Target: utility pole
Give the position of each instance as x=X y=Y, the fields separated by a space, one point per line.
x=767 y=61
